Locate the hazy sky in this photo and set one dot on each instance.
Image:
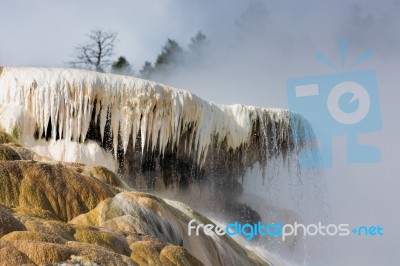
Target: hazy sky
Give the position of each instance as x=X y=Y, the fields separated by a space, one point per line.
x=253 y=44
x=254 y=47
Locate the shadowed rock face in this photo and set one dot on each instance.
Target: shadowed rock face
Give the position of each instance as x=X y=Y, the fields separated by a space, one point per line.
x=54 y=212
x=8 y=223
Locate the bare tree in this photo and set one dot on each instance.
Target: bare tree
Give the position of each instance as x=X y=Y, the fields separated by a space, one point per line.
x=96 y=53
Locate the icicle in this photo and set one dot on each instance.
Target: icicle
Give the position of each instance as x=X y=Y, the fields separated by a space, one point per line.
x=103 y=120
x=115 y=123
x=98 y=107
x=163 y=115
x=143 y=131
x=126 y=126
x=61 y=117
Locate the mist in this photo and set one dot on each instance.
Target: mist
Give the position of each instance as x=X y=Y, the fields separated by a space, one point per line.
x=253 y=48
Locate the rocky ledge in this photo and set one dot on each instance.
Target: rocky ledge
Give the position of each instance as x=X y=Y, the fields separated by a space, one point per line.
x=55 y=213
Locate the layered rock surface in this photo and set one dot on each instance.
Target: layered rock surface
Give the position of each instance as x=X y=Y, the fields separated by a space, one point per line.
x=52 y=212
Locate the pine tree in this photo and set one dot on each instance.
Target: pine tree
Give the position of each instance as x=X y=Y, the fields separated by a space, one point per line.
x=122 y=66
x=198 y=43
x=171 y=53
x=147 y=70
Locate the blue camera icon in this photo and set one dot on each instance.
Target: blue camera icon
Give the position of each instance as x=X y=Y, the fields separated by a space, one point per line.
x=339 y=104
